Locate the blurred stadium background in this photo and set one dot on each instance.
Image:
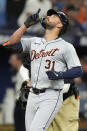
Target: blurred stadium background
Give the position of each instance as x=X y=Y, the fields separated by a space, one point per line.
x=12 y=16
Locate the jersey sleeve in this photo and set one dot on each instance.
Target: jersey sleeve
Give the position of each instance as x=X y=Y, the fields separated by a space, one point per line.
x=26 y=44
x=71 y=57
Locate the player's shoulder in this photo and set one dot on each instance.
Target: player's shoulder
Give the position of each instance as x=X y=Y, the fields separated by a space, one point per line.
x=66 y=44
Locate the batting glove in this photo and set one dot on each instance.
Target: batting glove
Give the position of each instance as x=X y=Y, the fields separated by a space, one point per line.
x=53 y=75
x=33 y=19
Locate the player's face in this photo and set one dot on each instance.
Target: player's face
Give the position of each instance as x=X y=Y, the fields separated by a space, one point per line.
x=14 y=61
x=52 y=21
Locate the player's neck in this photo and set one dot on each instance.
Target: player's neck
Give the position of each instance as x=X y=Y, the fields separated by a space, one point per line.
x=50 y=35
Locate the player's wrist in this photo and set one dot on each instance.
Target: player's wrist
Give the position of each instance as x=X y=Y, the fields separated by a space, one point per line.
x=24 y=28
x=26 y=24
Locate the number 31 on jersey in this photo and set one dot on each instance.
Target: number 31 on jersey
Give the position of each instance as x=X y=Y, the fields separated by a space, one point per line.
x=50 y=64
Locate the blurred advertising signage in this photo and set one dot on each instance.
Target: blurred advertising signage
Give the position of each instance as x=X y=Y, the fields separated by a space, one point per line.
x=77 y=41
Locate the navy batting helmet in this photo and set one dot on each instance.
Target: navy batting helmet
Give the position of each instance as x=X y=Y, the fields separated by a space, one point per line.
x=63 y=17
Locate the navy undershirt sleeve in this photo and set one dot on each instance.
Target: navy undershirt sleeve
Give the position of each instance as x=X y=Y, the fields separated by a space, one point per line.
x=71 y=73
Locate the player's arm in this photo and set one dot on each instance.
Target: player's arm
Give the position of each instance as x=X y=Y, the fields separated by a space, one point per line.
x=74 y=67
x=69 y=74
x=31 y=20
x=15 y=38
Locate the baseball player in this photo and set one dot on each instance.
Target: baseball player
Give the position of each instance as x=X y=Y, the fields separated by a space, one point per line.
x=52 y=60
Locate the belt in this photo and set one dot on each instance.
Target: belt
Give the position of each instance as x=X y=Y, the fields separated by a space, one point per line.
x=38 y=91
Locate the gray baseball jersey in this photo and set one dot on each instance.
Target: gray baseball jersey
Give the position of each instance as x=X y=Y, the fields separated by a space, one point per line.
x=57 y=55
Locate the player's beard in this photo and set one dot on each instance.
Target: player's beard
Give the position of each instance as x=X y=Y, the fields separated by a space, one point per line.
x=46 y=24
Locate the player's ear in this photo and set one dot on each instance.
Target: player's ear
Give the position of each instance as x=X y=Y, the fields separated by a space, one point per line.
x=59 y=25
